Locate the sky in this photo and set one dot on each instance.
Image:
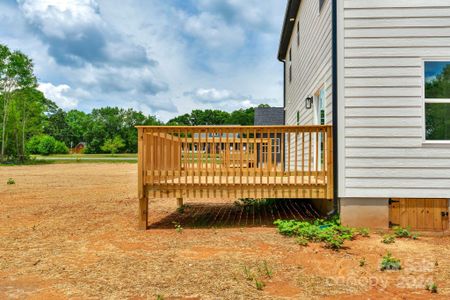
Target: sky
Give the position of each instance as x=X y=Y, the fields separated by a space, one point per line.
x=434 y=68
x=162 y=57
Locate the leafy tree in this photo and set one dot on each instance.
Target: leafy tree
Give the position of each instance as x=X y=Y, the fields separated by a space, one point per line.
x=113 y=145
x=16 y=73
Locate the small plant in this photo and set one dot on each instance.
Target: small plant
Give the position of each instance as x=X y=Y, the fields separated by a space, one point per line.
x=178 y=227
x=248 y=273
x=267 y=269
x=390 y=263
x=302 y=241
x=402 y=232
x=432 y=287
x=334 y=242
x=365 y=232
x=362 y=262
x=10 y=181
x=415 y=236
x=259 y=285
x=181 y=209
x=159 y=297
x=388 y=239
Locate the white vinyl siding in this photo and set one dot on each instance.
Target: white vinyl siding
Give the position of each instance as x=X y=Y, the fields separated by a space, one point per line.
x=311 y=61
x=311 y=66
x=384 y=45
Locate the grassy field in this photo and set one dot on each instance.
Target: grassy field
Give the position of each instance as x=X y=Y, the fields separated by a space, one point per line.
x=86 y=158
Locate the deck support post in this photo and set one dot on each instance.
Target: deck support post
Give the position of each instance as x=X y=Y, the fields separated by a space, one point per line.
x=179 y=202
x=143 y=210
x=142 y=188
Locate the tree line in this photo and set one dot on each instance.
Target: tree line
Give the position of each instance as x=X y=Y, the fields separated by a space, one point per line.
x=32 y=124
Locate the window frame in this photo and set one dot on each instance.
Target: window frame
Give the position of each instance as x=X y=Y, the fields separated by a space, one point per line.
x=321 y=5
x=425 y=142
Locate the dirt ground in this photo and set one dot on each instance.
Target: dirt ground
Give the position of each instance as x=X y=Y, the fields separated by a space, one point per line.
x=69 y=231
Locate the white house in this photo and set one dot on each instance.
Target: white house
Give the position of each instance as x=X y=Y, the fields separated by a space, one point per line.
x=379 y=71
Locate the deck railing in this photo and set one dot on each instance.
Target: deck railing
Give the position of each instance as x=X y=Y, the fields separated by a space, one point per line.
x=236 y=161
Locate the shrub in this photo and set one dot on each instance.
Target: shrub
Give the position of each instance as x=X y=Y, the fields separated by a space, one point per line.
x=46 y=145
x=33 y=144
x=10 y=181
x=60 y=148
x=390 y=263
x=331 y=233
x=388 y=239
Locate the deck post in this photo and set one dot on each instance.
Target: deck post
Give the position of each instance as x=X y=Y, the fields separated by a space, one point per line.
x=330 y=175
x=142 y=190
x=179 y=202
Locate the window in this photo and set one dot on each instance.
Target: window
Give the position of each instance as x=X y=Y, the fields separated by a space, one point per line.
x=321 y=2
x=290 y=65
x=437 y=100
x=298 y=34
x=298 y=117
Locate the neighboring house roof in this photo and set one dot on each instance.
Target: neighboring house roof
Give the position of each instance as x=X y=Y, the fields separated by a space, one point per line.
x=288 y=26
x=269 y=116
x=81 y=144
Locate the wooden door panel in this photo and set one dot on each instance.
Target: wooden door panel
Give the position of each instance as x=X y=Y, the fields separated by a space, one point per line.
x=419 y=214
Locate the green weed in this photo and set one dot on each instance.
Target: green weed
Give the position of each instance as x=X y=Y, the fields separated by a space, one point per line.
x=330 y=232
x=365 y=232
x=178 y=227
x=259 y=285
x=388 y=239
x=432 y=288
x=362 y=262
x=10 y=181
x=390 y=263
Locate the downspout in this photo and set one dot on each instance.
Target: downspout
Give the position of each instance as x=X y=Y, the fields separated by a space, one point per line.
x=336 y=205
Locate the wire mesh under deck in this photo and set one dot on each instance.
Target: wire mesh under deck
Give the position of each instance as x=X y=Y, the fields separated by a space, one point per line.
x=262 y=213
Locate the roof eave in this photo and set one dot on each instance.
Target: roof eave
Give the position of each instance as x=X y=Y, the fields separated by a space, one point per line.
x=288 y=26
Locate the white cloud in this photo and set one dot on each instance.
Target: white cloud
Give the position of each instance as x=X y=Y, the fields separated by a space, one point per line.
x=214 y=32
x=56 y=17
x=59 y=94
x=211 y=95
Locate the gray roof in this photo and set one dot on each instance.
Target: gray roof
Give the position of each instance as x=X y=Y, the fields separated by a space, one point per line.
x=269 y=116
x=288 y=26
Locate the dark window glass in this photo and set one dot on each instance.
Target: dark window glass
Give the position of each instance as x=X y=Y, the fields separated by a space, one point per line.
x=437 y=80
x=290 y=73
x=298 y=118
x=298 y=33
x=437 y=121
x=321 y=2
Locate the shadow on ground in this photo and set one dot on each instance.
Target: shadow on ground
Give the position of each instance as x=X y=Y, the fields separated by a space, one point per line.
x=245 y=213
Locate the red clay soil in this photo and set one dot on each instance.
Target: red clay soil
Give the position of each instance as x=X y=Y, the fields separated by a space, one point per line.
x=69 y=231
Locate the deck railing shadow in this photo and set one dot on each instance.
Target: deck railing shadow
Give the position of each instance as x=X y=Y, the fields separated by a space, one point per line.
x=244 y=213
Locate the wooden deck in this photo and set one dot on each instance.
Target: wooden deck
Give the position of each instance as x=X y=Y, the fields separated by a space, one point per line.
x=234 y=162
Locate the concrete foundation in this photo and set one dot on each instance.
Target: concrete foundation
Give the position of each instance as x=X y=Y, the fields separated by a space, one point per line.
x=365 y=212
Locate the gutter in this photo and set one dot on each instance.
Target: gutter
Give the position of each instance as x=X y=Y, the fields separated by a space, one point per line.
x=336 y=204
